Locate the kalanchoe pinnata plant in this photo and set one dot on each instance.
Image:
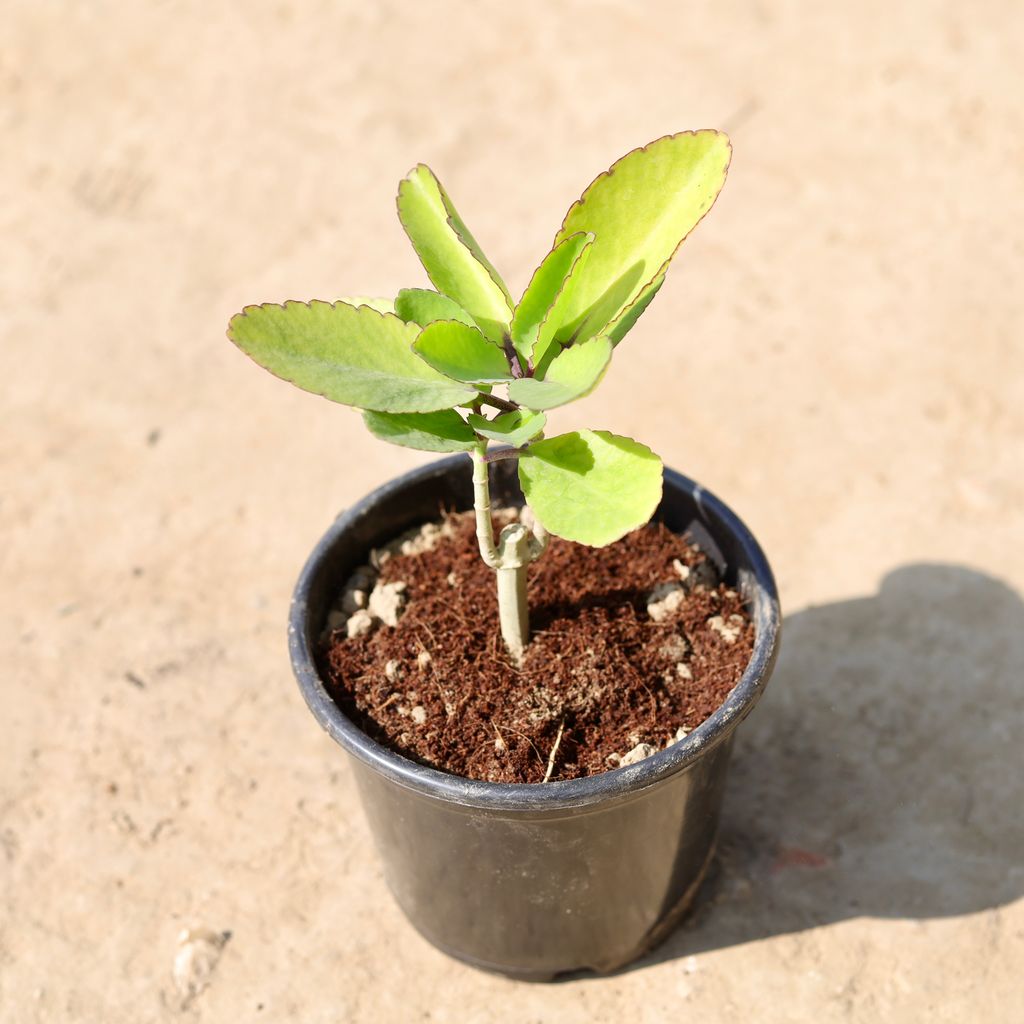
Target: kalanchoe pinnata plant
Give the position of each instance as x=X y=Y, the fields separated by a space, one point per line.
x=461 y=367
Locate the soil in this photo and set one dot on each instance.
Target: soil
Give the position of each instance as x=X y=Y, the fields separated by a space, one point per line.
x=633 y=646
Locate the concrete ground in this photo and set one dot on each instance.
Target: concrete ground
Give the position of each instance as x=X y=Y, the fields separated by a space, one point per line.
x=837 y=353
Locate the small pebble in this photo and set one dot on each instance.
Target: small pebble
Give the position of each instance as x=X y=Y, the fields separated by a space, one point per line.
x=391 y=670
x=199 y=952
x=387 y=602
x=683 y=571
x=423 y=659
x=419 y=714
x=359 y=623
x=425 y=539
x=675 y=647
x=637 y=754
x=664 y=600
x=729 y=631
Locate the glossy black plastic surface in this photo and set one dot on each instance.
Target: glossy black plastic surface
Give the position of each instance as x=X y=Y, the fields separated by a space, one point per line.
x=535 y=880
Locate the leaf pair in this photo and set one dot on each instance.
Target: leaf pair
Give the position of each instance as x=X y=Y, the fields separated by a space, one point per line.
x=608 y=259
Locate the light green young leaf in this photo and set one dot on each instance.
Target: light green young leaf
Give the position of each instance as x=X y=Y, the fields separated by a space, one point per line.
x=624 y=322
x=422 y=306
x=381 y=305
x=547 y=282
x=461 y=352
x=591 y=486
x=514 y=428
x=451 y=256
x=443 y=431
x=546 y=346
x=573 y=373
x=348 y=354
x=640 y=210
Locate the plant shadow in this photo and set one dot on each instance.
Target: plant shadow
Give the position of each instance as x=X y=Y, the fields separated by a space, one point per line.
x=883 y=774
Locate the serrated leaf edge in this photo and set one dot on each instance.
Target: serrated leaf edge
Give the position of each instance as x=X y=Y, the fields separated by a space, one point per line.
x=244 y=312
x=611 y=170
x=625 y=312
x=568 y=277
x=434 y=291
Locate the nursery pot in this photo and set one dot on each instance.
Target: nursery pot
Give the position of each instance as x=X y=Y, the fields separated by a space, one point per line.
x=536 y=880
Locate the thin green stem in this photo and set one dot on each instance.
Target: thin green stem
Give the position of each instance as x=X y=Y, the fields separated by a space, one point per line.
x=482 y=505
x=499 y=403
x=516 y=548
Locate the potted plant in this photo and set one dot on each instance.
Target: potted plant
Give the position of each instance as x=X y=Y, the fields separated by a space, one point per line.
x=531 y=879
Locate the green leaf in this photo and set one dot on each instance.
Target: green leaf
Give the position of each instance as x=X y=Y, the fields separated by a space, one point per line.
x=640 y=210
x=624 y=322
x=547 y=282
x=348 y=354
x=573 y=373
x=514 y=428
x=381 y=305
x=461 y=352
x=451 y=256
x=591 y=486
x=444 y=431
x=422 y=306
x=546 y=346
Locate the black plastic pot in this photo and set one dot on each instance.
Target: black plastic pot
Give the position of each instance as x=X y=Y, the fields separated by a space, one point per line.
x=536 y=880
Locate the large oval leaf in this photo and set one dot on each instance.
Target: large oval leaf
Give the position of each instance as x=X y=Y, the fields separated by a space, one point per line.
x=640 y=210
x=444 y=431
x=422 y=306
x=462 y=353
x=450 y=255
x=547 y=282
x=573 y=373
x=353 y=355
x=591 y=486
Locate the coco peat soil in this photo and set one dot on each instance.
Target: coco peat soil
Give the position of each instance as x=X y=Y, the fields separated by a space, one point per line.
x=633 y=645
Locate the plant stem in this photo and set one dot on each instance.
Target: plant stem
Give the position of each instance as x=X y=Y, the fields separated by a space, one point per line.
x=482 y=505
x=503 y=453
x=513 y=611
x=499 y=403
x=515 y=550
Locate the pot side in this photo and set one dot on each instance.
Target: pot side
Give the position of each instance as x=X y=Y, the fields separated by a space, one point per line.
x=538 y=880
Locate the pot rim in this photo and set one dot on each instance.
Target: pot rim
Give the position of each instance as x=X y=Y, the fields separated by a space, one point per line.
x=539 y=798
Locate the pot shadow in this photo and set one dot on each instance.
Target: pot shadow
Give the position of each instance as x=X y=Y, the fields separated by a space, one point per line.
x=883 y=774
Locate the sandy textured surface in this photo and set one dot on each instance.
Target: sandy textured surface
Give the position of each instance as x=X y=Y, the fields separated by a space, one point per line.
x=837 y=353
